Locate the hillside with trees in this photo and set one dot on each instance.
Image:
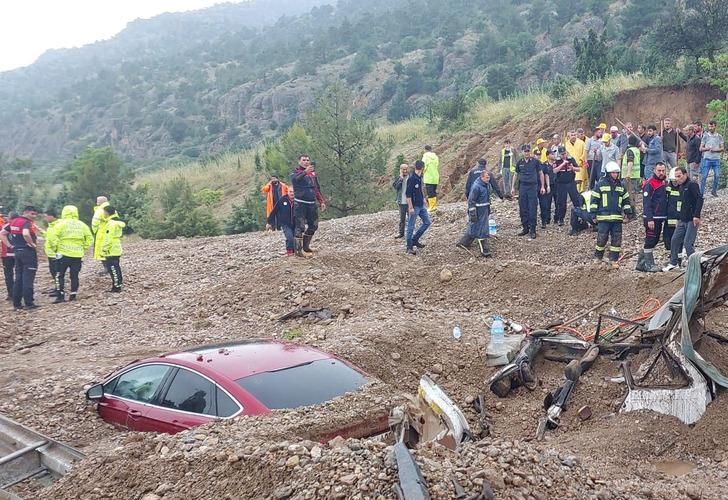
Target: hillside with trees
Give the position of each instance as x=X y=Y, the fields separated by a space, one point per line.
x=194 y=85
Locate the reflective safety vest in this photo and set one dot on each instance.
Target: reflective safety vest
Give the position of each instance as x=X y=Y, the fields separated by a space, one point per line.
x=512 y=157
x=635 y=174
x=610 y=200
x=674 y=204
x=587 y=201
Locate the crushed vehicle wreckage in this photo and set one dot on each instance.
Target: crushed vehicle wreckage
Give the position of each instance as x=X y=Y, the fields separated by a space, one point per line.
x=684 y=384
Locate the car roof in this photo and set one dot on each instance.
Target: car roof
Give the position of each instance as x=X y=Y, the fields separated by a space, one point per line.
x=241 y=359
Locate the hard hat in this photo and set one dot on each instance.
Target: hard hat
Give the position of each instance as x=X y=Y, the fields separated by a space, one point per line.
x=539 y=141
x=602 y=126
x=606 y=137
x=612 y=167
x=671 y=176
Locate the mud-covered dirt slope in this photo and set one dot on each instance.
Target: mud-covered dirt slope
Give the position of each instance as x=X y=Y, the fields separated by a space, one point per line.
x=393 y=317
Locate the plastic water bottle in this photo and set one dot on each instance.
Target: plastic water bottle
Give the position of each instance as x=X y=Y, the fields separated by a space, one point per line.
x=497 y=331
x=456 y=333
x=492 y=227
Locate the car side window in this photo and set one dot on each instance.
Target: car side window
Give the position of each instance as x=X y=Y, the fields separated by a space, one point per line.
x=141 y=383
x=225 y=405
x=190 y=392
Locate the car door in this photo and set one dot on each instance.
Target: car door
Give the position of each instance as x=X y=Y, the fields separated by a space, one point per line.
x=126 y=397
x=188 y=401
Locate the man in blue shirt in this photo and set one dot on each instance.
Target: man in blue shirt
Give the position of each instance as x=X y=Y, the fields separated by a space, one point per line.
x=416 y=207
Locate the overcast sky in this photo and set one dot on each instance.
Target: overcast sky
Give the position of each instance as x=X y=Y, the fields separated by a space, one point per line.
x=30 y=27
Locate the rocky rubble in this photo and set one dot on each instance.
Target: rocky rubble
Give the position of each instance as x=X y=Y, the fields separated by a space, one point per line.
x=392 y=315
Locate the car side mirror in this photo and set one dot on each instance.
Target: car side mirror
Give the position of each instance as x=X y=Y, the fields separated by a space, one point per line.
x=95 y=392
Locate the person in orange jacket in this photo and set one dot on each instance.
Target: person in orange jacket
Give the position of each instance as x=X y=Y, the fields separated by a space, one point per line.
x=275 y=189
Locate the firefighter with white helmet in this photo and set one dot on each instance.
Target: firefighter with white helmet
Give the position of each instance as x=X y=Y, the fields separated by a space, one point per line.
x=610 y=201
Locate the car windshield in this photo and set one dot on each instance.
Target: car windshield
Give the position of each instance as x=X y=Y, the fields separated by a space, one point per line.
x=303 y=385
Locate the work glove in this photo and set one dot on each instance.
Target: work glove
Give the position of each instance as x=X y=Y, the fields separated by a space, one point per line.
x=473 y=215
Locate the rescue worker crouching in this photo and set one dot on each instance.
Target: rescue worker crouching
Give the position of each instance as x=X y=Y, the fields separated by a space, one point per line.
x=581 y=216
x=610 y=200
x=478 y=216
x=66 y=243
x=654 y=213
x=111 y=249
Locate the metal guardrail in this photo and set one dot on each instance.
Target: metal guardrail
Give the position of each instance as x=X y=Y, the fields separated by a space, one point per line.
x=26 y=454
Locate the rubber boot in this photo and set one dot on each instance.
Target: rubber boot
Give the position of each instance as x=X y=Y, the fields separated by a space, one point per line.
x=641 y=262
x=465 y=242
x=59 y=297
x=432 y=204
x=649 y=263
x=533 y=232
x=306 y=242
x=72 y=297
x=298 y=245
x=484 y=247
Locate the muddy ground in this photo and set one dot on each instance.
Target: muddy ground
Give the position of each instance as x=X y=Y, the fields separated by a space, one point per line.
x=393 y=317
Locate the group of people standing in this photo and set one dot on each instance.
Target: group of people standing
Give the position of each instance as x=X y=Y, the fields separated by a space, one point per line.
x=66 y=241
x=607 y=176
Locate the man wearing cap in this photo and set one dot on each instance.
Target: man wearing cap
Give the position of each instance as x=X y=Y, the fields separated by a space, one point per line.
x=431 y=176
x=416 y=207
x=531 y=182
x=593 y=144
x=653 y=152
x=566 y=169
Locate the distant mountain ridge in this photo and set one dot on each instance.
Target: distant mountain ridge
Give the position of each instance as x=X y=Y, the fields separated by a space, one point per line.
x=185 y=85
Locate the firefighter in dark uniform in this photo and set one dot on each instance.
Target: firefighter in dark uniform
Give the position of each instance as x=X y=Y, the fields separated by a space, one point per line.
x=654 y=213
x=475 y=174
x=478 y=215
x=610 y=201
x=530 y=183
x=673 y=208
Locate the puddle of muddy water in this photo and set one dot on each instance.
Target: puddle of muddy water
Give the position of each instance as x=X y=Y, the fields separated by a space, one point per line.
x=674 y=467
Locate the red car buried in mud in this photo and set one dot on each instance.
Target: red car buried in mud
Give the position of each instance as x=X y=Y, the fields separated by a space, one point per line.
x=177 y=391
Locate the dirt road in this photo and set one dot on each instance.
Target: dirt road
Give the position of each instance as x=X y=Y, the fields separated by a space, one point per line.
x=393 y=317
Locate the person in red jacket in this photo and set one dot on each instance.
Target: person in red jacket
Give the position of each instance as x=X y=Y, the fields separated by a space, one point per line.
x=8 y=255
x=654 y=204
x=274 y=190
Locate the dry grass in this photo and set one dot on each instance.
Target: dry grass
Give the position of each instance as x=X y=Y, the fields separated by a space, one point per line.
x=231 y=172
